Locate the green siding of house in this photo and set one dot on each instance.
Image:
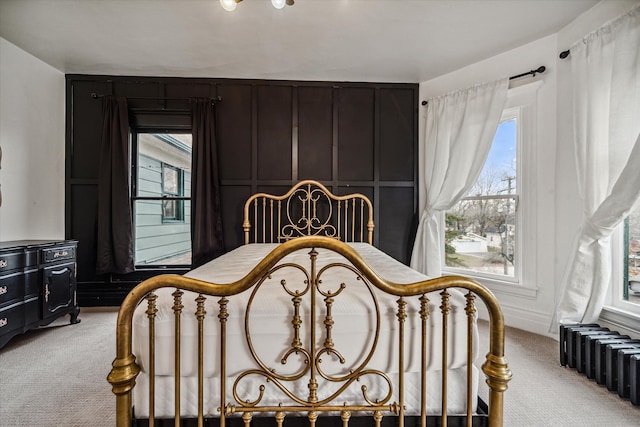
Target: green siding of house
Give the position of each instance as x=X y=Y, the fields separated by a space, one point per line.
x=156 y=240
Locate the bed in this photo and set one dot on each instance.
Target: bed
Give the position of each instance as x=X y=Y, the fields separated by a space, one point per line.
x=306 y=321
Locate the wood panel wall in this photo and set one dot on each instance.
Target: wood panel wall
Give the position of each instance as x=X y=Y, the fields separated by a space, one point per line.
x=350 y=136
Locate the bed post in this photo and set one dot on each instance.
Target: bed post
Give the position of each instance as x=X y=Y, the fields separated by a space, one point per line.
x=246 y=225
x=402 y=316
x=223 y=316
x=495 y=367
x=124 y=369
x=122 y=378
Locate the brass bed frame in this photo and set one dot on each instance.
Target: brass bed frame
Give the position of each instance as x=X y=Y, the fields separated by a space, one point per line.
x=311 y=234
x=308 y=209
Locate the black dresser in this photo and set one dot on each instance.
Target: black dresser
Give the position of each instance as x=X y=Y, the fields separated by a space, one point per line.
x=37 y=284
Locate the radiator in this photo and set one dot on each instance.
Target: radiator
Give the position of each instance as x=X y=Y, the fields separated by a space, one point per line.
x=608 y=357
x=590 y=343
x=634 y=379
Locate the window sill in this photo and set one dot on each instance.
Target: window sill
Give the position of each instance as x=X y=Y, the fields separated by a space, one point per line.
x=504 y=287
x=622 y=318
x=508 y=288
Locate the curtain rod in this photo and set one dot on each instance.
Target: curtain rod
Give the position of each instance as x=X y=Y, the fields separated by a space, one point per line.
x=151 y=98
x=540 y=69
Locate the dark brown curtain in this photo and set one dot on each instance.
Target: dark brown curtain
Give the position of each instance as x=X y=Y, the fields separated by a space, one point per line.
x=115 y=226
x=206 y=216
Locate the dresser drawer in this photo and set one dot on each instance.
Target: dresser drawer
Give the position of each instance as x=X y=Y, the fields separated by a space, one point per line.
x=12 y=318
x=11 y=288
x=12 y=260
x=61 y=253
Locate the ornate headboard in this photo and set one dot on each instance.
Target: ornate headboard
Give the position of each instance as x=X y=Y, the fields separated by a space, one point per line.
x=307 y=209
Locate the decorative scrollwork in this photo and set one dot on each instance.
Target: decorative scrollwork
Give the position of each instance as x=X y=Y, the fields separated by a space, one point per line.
x=310 y=357
x=376 y=334
x=296 y=345
x=246 y=402
x=308 y=223
x=382 y=401
x=307 y=209
x=269 y=376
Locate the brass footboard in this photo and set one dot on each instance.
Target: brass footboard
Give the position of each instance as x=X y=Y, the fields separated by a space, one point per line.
x=322 y=298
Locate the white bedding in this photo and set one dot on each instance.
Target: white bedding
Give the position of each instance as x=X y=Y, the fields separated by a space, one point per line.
x=456 y=394
x=271 y=331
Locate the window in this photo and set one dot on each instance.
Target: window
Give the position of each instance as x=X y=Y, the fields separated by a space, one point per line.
x=482 y=229
x=507 y=205
x=622 y=306
x=172 y=187
x=161 y=197
x=631 y=283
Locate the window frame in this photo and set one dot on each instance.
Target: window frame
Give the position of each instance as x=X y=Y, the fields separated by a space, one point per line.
x=522 y=99
x=134 y=153
x=616 y=309
x=513 y=113
x=175 y=197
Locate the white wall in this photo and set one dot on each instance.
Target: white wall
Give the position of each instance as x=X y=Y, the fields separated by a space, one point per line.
x=557 y=208
x=32 y=136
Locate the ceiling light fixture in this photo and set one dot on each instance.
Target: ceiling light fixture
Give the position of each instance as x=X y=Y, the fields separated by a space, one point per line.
x=230 y=5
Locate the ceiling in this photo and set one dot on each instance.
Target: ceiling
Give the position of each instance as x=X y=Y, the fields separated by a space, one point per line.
x=335 y=40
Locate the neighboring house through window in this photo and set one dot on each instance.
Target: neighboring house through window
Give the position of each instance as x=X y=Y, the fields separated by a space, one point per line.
x=161 y=196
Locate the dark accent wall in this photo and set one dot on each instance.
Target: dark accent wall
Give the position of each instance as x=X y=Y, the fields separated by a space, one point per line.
x=349 y=136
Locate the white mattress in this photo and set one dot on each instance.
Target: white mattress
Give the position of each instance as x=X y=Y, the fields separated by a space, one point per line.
x=271 y=331
x=456 y=394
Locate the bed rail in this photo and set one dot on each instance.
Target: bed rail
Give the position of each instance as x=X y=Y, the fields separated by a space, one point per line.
x=307 y=209
x=125 y=369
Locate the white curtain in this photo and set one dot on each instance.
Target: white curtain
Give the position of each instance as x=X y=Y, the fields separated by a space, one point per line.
x=606 y=75
x=459 y=130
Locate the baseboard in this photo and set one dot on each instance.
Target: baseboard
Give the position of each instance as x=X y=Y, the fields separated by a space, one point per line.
x=521 y=318
x=111 y=289
x=98 y=294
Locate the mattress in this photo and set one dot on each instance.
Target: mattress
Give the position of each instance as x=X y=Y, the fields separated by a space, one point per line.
x=271 y=333
x=164 y=398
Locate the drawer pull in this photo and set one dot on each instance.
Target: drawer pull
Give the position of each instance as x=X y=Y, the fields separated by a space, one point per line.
x=3 y=322
x=61 y=253
x=46 y=292
x=3 y=290
x=3 y=263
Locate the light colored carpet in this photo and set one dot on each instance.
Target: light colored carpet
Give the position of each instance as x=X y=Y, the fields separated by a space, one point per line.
x=543 y=393
x=56 y=376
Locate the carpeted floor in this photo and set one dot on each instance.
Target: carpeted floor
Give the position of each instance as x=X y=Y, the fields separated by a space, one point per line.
x=543 y=393
x=56 y=376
